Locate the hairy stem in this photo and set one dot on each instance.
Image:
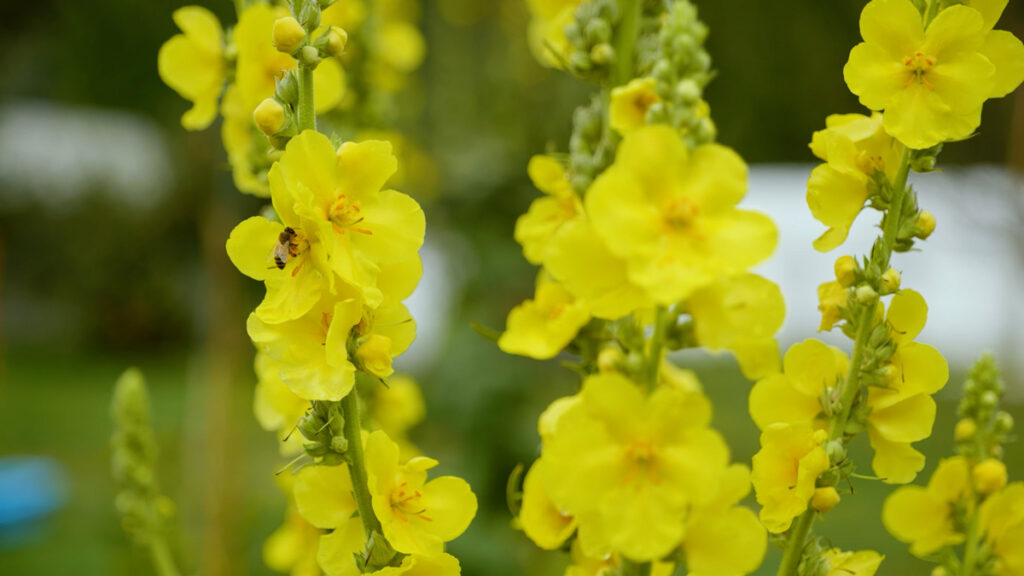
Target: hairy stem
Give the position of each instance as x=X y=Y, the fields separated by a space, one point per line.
x=795 y=545
x=307 y=112
x=655 y=349
x=630 y=568
x=356 y=464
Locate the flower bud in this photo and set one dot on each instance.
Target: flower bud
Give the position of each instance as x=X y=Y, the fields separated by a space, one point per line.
x=925 y=224
x=374 y=354
x=608 y=360
x=337 y=39
x=825 y=499
x=989 y=476
x=602 y=54
x=339 y=444
x=845 y=269
x=835 y=450
x=309 y=56
x=288 y=34
x=1004 y=422
x=269 y=116
x=989 y=399
x=965 y=430
x=940 y=571
x=891 y=280
x=866 y=294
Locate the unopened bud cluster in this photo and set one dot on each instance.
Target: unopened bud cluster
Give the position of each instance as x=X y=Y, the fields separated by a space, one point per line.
x=139 y=501
x=590 y=51
x=682 y=69
x=323 y=427
x=590 y=150
x=983 y=428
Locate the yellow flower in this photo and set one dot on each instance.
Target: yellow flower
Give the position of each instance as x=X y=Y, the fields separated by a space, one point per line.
x=312 y=350
x=854 y=147
x=192 y=64
x=670 y=213
x=1001 y=47
x=338 y=552
x=721 y=537
x=903 y=411
x=785 y=470
x=277 y=408
x=1002 y=521
x=584 y=265
x=628 y=465
x=292 y=548
x=930 y=82
x=924 y=517
x=547 y=29
x=860 y=563
x=542 y=521
x=810 y=370
x=535 y=229
x=542 y=327
x=249 y=152
x=337 y=220
x=416 y=516
x=832 y=297
x=374 y=354
x=629 y=105
x=740 y=313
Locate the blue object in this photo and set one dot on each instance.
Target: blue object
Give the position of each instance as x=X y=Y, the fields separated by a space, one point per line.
x=30 y=487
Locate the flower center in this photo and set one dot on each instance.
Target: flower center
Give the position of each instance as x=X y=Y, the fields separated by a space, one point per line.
x=681 y=214
x=641 y=455
x=406 y=503
x=918 y=65
x=345 y=214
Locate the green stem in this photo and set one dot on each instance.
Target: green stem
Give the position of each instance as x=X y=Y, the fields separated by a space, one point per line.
x=307 y=111
x=891 y=226
x=630 y=568
x=931 y=12
x=357 y=465
x=795 y=545
x=161 y=556
x=971 y=548
x=625 y=41
x=657 y=347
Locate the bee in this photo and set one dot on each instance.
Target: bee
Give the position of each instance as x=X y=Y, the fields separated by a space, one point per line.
x=285 y=247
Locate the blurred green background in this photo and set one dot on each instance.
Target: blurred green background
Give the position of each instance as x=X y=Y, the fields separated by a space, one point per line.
x=92 y=281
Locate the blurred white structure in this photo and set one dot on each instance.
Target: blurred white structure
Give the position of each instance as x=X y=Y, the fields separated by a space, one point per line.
x=970 y=270
x=54 y=154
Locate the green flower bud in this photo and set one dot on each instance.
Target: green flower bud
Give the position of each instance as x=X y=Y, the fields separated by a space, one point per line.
x=309 y=56
x=337 y=39
x=865 y=294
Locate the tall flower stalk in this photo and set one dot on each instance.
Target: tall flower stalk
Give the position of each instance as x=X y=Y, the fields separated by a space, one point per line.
x=338 y=252
x=643 y=251
x=924 y=70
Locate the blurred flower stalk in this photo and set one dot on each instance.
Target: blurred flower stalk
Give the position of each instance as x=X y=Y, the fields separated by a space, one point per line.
x=643 y=251
x=338 y=252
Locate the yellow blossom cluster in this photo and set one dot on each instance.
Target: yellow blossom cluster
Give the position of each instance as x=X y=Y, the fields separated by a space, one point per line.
x=338 y=253
x=924 y=69
x=643 y=249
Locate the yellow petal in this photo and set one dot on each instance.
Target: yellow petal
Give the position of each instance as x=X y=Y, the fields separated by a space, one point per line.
x=398 y=280
x=451 y=506
x=1006 y=52
x=732 y=542
x=251 y=247
x=907 y=314
x=306 y=170
x=548 y=175
x=195 y=74
x=366 y=166
x=542 y=327
x=874 y=75
x=919 y=118
x=951 y=479
x=835 y=200
x=963 y=81
x=908 y=421
x=895 y=462
x=541 y=520
x=913 y=515
x=957 y=29
x=894 y=25
x=328 y=85
x=812 y=366
x=323 y=495
x=990 y=10
x=646 y=528
x=716 y=177
x=774 y=399
x=396 y=227
x=535 y=229
x=336 y=554
x=201 y=26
